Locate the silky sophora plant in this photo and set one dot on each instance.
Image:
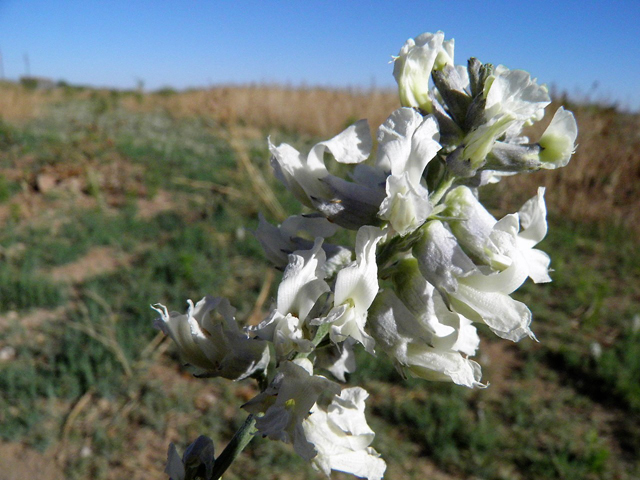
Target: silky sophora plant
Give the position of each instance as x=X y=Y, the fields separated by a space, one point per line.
x=429 y=260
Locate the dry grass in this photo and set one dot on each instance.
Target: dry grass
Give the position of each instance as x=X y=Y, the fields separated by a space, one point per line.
x=18 y=104
x=601 y=183
x=313 y=111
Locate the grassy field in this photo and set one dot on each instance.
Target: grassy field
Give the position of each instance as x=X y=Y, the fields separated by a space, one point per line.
x=111 y=201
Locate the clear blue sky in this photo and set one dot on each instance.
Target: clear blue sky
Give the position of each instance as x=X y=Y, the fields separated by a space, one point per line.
x=583 y=47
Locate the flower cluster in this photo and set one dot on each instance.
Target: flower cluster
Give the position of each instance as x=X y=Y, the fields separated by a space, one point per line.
x=429 y=260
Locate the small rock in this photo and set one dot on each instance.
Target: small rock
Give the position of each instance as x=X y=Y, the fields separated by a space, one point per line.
x=86 y=451
x=7 y=353
x=45 y=182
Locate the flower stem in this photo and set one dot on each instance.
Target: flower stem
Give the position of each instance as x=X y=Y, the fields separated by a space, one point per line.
x=442 y=188
x=322 y=332
x=240 y=440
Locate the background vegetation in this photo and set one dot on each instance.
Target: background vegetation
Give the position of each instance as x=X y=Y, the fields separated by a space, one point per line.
x=110 y=201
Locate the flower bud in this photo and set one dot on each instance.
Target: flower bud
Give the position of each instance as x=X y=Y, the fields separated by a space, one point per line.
x=470 y=222
x=413 y=65
x=558 y=140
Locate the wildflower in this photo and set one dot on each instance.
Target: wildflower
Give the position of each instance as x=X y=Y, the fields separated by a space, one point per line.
x=356 y=287
x=348 y=204
x=210 y=340
x=466 y=289
x=558 y=140
x=505 y=245
x=341 y=437
x=301 y=286
x=287 y=402
x=413 y=65
x=279 y=242
x=414 y=348
x=407 y=142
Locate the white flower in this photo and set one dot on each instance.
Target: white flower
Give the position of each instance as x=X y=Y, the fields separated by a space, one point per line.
x=302 y=284
x=478 y=296
x=209 y=339
x=407 y=142
x=406 y=206
x=413 y=65
x=479 y=142
x=434 y=323
x=349 y=204
x=356 y=287
x=516 y=94
x=294 y=234
x=338 y=359
x=505 y=245
x=402 y=336
x=342 y=437
x=513 y=99
x=558 y=140
x=286 y=403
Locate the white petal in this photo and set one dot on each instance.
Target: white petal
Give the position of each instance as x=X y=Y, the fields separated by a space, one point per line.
x=359 y=281
x=558 y=140
x=353 y=145
x=342 y=437
x=394 y=139
x=507 y=317
x=533 y=219
x=302 y=283
x=538 y=265
x=424 y=147
x=506 y=281
x=180 y=328
x=432 y=364
x=440 y=258
x=471 y=223
x=406 y=206
x=515 y=93
x=289 y=166
x=412 y=68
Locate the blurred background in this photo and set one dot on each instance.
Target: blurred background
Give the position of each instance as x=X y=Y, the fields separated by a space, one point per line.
x=133 y=165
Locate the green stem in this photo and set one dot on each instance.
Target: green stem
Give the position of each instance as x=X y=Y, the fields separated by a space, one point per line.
x=240 y=440
x=244 y=435
x=322 y=332
x=444 y=186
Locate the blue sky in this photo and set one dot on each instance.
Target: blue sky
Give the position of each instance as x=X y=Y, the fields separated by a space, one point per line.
x=584 y=48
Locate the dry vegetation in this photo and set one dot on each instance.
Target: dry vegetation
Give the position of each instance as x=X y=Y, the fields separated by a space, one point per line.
x=16 y=104
x=603 y=182
x=314 y=111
